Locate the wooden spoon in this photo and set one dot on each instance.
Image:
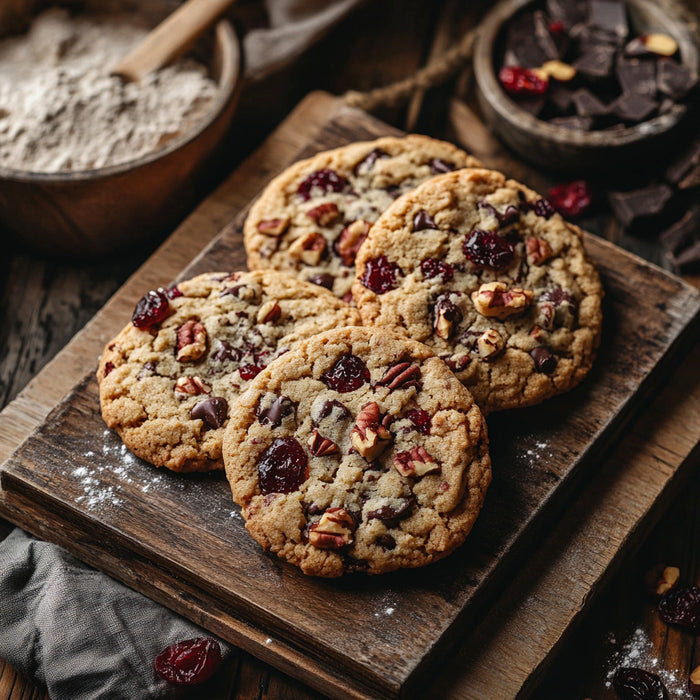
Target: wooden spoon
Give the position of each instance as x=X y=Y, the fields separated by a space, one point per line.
x=170 y=38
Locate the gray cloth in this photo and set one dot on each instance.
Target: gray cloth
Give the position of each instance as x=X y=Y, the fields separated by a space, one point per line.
x=80 y=633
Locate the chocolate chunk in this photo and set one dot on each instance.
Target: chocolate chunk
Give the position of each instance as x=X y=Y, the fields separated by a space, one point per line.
x=574 y=122
x=633 y=107
x=544 y=360
x=422 y=220
x=560 y=96
x=323 y=279
x=632 y=207
x=610 y=16
x=682 y=165
x=369 y=160
x=212 y=411
x=688 y=260
x=520 y=48
x=596 y=61
x=587 y=104
x=532 y=104
x=438 y=165
x=673 y=79
x=692 y=179
x=681 y=234
x=637 y=76
x=544 y=38
x=390 y=515
x=282 y=406
x=385 y=541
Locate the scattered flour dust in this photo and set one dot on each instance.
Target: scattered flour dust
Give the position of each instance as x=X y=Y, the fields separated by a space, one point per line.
x=638 y=651
x=61 y=110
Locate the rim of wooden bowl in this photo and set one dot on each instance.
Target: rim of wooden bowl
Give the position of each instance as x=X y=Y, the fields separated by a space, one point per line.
x=508 y=109
x=227 y=55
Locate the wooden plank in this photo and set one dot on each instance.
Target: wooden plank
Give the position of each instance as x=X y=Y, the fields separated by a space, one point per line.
x=536 y=463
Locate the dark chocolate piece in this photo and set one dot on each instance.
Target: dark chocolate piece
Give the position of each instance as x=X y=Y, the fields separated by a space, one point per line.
x=688 y=260
x=570 y=12
x=681 y=234
x=667 y=104
x=574 y=122
x=213 y=412
x=596 y=61
x=544 y=38
x=610 y=16
x=635 y=206
x=560 y=96
x=673 y=79
x=637 y=76
x=682 y=165
x=533 y=104
x=521 y=49
x=692 y=179
x=633 y=107
x=588 y=105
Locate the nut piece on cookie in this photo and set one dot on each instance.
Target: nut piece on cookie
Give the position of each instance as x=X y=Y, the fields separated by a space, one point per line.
x=538 y=250
x=489 y=344
x=325 y=214
x=447 y=317
x=370 y=436
x=350 y=240
x=333 y=531
x=269 y=312
x=191 y=386
x=308 y=249
x=274 y=227
x=191 y=341
x=320 y=446
x=415 y=462
x=495 y=300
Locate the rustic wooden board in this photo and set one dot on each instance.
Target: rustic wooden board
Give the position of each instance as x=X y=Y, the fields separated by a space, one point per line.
x=180 y=541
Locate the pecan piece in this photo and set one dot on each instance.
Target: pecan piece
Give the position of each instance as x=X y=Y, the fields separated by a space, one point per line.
x=325 y=214
x=350 y=239
x=415 y=462
x=333 y=531
x=489 y=344
x=495 y=300
x=269 y=312
x=447 y=317
x=538 y=250
x=308 y=249
x=401 y=376
x=320 y=446
x=661 y=579
x=191 y=386
x=370 y=436
x=274 y=227
x=191 y=341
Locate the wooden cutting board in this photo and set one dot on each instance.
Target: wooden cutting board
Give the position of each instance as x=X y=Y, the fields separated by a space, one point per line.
x=181 y=540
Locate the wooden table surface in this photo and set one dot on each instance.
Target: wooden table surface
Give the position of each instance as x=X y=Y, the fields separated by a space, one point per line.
x=44 y=302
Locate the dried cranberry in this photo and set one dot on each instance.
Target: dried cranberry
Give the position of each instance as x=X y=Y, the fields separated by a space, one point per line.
x=488 y=249
x=543 y=208
x=325 y=180
x=422 y=220
x=282 y=467
x=324 y=279
x=152 y=308
x=681 y=606
x=225 y=352
x=109 y=366
x=432 y=267
x=347 y=374
x=521 y=81
x=213 y=411
x=379 y=275
x=421 y=419
x=173 y=292
x=636 y=684
x=438 y=165
x=190 y=661
x=249 y=371
x=556 y=26
x=571 y=199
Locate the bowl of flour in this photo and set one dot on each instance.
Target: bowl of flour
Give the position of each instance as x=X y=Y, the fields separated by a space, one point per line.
x=90 y=164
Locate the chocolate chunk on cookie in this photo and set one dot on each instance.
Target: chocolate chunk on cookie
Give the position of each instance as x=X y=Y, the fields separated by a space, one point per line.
x=378 y=462
x=311 y=220
x=168 y=379
x=499 y=275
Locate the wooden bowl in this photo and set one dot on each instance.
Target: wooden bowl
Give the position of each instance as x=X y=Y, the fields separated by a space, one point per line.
x=567 y=150
x=90 y=213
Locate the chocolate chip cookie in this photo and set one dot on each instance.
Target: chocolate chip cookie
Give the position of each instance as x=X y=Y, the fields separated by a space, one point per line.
x=485 y=272
x=358 y=451
x=168 y=379
x=311 y=220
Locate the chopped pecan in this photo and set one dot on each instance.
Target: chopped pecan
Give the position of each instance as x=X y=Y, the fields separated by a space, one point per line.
x=192 y=386
x=401 y=376
x=191 y=341
x=495 y=300
x=489 y=344
x=274 y=227
x=325 y=214
x=415 y=462
x=447 y=317
x=333 y=531
x=661 y=579
x=269 y=312
x=350 y=239
x=308 y=249
x=370 y=435
x=320 y=446
x=538 y=250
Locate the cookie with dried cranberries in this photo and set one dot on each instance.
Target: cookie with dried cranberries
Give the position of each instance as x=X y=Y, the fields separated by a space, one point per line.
x=311 y=220
x=485 y=272
x=358 y=451
x=168 y=379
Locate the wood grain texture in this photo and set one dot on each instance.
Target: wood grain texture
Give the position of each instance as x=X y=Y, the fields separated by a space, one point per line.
x=157 y=522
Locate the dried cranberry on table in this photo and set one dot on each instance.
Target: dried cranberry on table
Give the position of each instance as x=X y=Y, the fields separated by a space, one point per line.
x=681 y=606
x=571 y=199
x=189 y=662
x=637 y=684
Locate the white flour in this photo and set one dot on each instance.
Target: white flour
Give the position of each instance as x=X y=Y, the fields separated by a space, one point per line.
x=60 y=110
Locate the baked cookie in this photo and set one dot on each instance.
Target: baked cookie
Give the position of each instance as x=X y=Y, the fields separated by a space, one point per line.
x=311 y=220
x=357 y=451
x=484 y=271
x=168 y=379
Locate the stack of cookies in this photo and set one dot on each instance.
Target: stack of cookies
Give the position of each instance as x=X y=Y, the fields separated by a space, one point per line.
x=398 y=292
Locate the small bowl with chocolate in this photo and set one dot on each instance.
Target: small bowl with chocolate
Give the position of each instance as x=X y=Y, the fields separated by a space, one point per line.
x=582 y=86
